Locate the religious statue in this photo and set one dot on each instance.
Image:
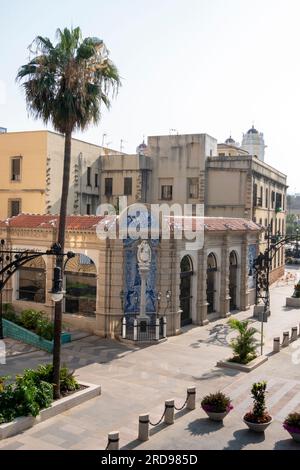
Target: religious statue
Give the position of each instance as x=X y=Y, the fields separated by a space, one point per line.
x=144 y=254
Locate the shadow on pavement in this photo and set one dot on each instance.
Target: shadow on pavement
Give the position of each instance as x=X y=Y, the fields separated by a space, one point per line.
x=244 y=437
x=203 y=426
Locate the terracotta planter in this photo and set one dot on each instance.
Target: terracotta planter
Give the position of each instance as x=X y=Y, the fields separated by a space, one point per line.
x=217 y=416
x=256 y=427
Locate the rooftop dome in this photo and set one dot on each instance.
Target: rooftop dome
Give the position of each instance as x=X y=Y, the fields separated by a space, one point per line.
x=230 y=141
x=252 y=131
x=142 y=148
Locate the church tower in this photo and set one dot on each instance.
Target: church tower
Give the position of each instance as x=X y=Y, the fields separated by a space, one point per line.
x=254 y=143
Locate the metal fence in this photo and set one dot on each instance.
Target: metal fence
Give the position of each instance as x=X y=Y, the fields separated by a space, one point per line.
x=151 y=329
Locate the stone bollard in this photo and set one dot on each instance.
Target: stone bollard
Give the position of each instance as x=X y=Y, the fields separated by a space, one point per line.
x=144 y=424
x=286 y=339
x=165 y=327
x=113 y=441
x=170 y=411
x=135 y=330
x=191 y=402
x=294 y=334
x=276 y=347
x=157 y=329
x=124 y=328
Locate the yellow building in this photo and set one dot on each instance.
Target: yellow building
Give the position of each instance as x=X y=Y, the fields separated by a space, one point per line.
x=31 y=167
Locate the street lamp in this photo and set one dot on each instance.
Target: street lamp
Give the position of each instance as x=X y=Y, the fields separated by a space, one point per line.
x=57 y=293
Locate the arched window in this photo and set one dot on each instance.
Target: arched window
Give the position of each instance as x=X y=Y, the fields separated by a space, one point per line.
x=81 y=286
x=186 y=265
x=212 y=262
x=32 y=281
x=233 y=259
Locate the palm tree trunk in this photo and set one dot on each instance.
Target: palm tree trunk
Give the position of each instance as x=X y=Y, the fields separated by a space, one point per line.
x=60 y=262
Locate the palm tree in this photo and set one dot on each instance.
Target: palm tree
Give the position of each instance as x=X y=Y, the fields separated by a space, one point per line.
x=65 y=85
x=244 y=346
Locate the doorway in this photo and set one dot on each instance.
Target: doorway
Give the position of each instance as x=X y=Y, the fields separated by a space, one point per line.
x=186 y=274
x=233 y=280
x=212 y=269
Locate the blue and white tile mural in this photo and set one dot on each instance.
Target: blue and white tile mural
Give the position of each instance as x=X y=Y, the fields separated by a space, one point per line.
x=132 y=280
x=252 y=255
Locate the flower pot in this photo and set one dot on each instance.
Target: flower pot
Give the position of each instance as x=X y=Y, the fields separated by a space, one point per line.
x=257 y=427
x=216 y=416
x=294 y=435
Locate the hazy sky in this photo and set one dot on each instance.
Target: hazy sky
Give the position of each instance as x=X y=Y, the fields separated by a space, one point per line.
x=211 y=66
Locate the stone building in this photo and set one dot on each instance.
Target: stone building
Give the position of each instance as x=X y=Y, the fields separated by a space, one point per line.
x=102 y=282
x=31 y=174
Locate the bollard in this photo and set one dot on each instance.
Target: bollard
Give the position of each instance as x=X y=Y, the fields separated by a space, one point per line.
x=135 y=330
x=191 y=401
x=165 y=327
x=276 y=347
x=157 y=328
x=124 y=328
x=170 y=411
x=144 y=423
x=286 y=339
x=294 y=334
x=113 y=441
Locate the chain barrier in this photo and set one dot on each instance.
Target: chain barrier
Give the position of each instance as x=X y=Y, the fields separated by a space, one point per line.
x=185 y=403
x=161 y=419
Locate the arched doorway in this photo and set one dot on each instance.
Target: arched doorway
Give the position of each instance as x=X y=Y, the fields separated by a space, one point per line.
x=81 y=286
x=212 y=268
x=233 y=265
x=186 y=274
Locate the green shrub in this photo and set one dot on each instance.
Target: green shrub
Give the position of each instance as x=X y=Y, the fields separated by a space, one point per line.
x=9 y=313
x=244 y=346
x=32 y=392
x=216 y=403
x=30 y=318
x=45 y=329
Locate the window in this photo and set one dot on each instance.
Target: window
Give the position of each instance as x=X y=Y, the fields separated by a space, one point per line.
x=166 y=193
x=16 y=169
x=88 y=209
x=273 y=200
x=267 y=198
x=127 y=186
x=88 y=176
x=108 y=187
x=14 y=207
x=96 y=180
x=222 y=154
x=193 y=188
x=32 y=281
x=278 y=206
x=261 y=196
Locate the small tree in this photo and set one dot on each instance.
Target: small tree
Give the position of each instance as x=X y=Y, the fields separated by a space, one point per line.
x=244 y=346
x=259 y=399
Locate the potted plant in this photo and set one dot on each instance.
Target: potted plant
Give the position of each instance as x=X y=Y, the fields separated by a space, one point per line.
x=258 y=419
x=244 y=346
x=216 y=406
x=292 y=425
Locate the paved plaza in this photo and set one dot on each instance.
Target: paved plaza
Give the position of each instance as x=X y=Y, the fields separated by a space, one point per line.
x=136 y=381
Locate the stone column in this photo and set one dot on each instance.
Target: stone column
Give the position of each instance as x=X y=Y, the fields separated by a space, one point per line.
x=109 y=312
x=202 y=288
x=225 y=271
x=244 y=286
x=144 y=273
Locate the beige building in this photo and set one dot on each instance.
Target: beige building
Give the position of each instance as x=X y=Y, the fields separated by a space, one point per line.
x=31 y=174
x=125 y=175
x=102 y=283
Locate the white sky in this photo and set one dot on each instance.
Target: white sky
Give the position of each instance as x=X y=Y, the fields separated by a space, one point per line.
x=197 y=66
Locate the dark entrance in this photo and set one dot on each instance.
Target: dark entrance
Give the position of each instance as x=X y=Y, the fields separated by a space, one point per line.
x=233 y=281
x=211 y=281
x=186 y=275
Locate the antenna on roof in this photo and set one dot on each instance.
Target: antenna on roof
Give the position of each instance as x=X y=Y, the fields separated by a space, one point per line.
x=122 y=145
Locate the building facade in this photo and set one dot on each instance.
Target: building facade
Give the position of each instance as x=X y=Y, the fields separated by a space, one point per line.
x=102 y=282
x=31 y=174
